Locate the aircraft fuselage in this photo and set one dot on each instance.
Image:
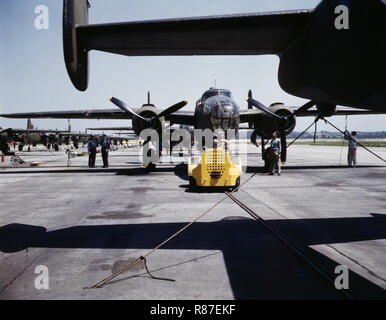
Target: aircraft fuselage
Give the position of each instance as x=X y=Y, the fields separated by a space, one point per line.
x=216 y=109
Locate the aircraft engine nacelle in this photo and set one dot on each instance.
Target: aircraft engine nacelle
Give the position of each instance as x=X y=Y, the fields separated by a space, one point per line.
x=266 y=125
x=147 y=111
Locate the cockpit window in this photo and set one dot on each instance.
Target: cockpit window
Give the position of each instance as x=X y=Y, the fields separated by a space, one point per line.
x=216 y=92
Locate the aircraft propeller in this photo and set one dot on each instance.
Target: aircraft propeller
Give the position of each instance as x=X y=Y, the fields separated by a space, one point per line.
x=283 y=120
x=120 y=104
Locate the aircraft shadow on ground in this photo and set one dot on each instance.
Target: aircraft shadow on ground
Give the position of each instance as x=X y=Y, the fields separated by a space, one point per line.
x=258 y=265
x=259 y=169
x=180 y=170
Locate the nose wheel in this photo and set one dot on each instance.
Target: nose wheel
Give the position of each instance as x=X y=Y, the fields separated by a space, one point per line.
x=150 y=167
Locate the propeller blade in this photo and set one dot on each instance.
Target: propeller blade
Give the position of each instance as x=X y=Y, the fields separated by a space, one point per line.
x=262 y=107
x=249 y=97
x=120 y=104
x=304 y=107
x=250 y=123
x=171 y=109
x=283 y=140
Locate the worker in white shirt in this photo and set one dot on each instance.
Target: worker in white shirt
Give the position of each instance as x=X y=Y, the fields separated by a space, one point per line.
x=352 y=148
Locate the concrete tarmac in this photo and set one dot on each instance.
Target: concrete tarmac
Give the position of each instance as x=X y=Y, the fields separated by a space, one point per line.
x=79 y=225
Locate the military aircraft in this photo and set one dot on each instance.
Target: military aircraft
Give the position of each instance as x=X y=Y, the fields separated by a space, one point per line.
x=214 y=110
x=29 y=136
x=319 y=60
x=332 y=55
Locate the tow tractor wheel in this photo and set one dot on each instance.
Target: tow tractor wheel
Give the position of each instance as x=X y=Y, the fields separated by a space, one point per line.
x=237 y=184
x=192 y=183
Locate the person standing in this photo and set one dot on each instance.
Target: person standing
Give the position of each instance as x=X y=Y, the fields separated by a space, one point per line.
x=352 y=148
x=274 y=157
x=105 y=146
x=92 y=146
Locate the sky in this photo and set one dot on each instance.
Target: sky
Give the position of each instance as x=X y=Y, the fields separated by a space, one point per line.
x=33 y=76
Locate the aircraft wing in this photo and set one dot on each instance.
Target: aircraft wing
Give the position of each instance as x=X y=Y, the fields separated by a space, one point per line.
x=73 y=114
x=250 y=115
x=21 y=131
x=111 y=128
x=236 y=34
x=181 y=117
x=69 y=134
x=178 y=117
x=226 y=34
x=340 y=112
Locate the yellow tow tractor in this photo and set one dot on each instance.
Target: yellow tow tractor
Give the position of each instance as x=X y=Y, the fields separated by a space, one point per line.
x=215 y=168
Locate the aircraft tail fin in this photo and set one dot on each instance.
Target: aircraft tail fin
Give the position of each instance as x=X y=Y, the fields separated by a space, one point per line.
x=29 y=124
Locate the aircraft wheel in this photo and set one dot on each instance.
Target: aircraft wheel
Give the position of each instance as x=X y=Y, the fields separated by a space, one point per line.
x=56 y=147
x=151 y=167
x=20 y=147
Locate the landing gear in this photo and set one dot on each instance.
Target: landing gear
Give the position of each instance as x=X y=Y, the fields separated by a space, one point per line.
x=151 y=167
x=5 y=148
x=265 y=154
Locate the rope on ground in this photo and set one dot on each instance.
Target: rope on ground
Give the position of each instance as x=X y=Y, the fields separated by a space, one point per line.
x=349 y=137
x=136 y=261
x=154 y=277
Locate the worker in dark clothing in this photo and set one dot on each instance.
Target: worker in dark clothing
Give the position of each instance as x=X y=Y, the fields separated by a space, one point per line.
x=105 y=144
x=92 y=146
x=274 y=156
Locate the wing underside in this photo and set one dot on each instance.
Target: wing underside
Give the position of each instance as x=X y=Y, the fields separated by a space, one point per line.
x=250 y=115
x=178 y=117
x=238 y=34
x=72 y=114
x=242 y=34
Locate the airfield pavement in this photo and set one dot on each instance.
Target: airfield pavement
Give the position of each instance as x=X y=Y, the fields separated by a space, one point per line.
x=81 y=224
